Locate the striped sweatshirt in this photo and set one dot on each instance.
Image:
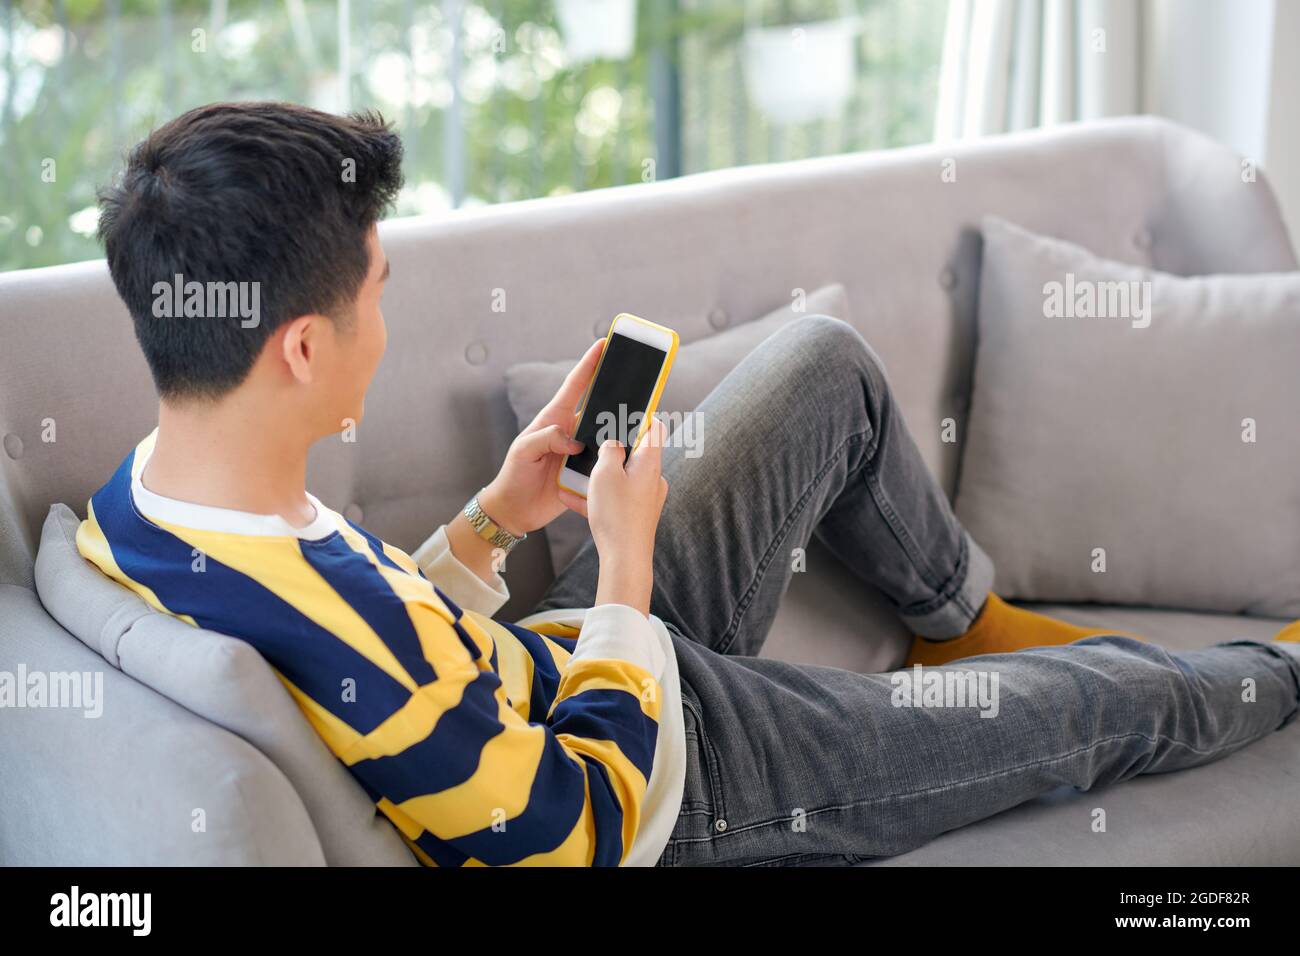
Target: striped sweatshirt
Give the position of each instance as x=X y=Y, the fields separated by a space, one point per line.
x=484 y=743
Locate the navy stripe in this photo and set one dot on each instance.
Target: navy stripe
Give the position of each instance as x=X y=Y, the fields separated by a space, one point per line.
x=546 y=676
x=440 y=851
x=470 y=644
x=448 y=755
x=452 y=606
x=607 y=813
x=555 y=806
x=610 y=715
x=570 y=644
x=363 y=587
x=376 y=546
x=229 y=602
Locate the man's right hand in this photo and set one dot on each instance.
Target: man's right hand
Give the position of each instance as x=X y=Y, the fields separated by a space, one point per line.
x=623 y=506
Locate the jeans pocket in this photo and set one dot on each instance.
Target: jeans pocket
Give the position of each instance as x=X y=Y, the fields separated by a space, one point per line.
x=701 y=798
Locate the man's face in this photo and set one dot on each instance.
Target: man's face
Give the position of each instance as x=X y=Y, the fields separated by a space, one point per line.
x=357 y=346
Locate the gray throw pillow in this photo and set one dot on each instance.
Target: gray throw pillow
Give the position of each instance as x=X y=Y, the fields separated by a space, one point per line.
x=698 y=368
x=1134 y=437
x=219 y=678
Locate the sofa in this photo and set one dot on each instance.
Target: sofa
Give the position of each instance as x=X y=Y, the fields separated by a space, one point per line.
x=174 y=775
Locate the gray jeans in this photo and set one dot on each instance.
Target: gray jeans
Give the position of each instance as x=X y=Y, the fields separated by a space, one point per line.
x=794 y=763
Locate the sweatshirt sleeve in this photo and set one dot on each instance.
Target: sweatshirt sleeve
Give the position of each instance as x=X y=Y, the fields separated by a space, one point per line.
x=441 y=566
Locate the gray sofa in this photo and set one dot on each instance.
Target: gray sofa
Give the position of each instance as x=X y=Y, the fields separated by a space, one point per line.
x=699 y=254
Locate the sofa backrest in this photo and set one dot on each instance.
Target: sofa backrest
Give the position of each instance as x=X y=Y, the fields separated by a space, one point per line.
x=474 y=293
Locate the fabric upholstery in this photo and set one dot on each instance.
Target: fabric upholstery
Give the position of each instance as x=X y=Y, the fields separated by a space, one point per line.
x=1121 y=458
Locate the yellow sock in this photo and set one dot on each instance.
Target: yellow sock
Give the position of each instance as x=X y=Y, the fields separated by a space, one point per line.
x=1289 y=633
x=1000 y=628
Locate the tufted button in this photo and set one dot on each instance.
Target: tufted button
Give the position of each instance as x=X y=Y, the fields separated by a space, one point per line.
x=354 y=513
x=13 y=446
x=1142 y=239
x=948 y=279
x=476 y=353
x=718 y=318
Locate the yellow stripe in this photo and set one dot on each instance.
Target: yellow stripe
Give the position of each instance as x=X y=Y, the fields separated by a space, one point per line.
x=338 y=736
x=628 y=782
x=514 y=667
x=429 y=614
x=415 y=719
x=420 y=854
x=553 y=629
x=400 y=558
x=601 y=674
x=497 y=791
x=277 y=564
x=93 y=545
x=480 y=635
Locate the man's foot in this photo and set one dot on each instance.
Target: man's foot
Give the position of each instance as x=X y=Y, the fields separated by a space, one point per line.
x=1000 y=628
x=1289 y=634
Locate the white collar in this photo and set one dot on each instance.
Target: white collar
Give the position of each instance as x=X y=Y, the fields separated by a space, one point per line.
x=187 y=514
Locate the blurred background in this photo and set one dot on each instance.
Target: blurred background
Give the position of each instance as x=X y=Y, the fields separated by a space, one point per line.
x=499 y=100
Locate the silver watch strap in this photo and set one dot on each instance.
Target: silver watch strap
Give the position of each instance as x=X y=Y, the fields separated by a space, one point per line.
x=489 y=530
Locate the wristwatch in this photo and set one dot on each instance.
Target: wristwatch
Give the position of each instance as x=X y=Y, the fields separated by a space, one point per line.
x=489 y=530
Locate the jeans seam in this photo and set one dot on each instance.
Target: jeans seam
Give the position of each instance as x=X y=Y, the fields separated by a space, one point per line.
x=886 y=508
x=782 y=820
x=733 y=628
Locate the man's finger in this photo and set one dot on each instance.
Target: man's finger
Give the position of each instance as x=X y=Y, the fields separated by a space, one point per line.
x=576 y=382
x=544 y=441
x=649 y=451
x=573 y=502
x=609 y=455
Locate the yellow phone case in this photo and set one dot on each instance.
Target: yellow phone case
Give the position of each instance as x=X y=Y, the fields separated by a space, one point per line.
x=654 y=396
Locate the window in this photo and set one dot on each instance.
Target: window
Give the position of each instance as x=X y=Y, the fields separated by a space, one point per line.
x=496 y=100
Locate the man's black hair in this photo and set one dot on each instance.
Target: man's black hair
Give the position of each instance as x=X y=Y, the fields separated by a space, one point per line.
x=269 y=193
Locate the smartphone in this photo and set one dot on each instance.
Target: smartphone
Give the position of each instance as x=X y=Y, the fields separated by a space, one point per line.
x=623 y=393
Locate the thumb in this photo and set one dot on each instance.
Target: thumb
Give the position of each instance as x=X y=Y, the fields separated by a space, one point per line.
x=550 y=439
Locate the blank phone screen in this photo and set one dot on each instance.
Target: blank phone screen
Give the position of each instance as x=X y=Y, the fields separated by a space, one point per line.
x=628 y=372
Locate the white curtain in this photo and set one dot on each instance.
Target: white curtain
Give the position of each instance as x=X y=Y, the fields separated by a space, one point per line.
x=1014 y=64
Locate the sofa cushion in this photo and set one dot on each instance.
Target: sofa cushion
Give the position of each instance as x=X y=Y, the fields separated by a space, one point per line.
x=221 y=679
x=1147 y=457
x=699 y=366
x=124 y=776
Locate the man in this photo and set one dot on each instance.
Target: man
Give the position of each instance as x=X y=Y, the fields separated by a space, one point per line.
x=629 y=721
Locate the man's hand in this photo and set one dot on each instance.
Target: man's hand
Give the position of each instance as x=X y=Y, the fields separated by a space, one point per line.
x=623 y=506
x=523 y=496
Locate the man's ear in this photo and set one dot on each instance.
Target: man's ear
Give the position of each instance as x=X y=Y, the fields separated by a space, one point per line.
x=299 y=345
